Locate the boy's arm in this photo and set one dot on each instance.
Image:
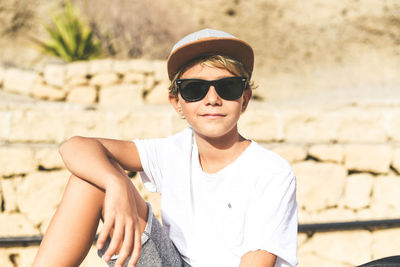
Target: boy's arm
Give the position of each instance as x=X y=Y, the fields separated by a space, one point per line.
x=258 y=258
x=124 y=152
x=89 y=158
x=101 y=162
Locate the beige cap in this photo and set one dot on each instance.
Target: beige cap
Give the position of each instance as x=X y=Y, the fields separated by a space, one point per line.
x=209 y=42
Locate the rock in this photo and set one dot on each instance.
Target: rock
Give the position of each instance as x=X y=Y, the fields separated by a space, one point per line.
x=5 y=118
x=332 y=215
x=385 y=243
x=259 y=124
x=16 y=160
x=82 y=95
x=130 y=124
x=48 y=92
x=77 y=81
x=358 y=125
x=26 y=255
x=2 y=74
x=88 y=123
x=358 y=191
x=178 y=123
x=292 y=153
x=301 y=239
x=49 y=158
x=365 y=215
x=54 y=75
x=349 y=247
x=308 y=126
x=134 y=77
x=16 y=225
x=77 y=69
x=385 y=197
x=5 y=257
x=160 y=71
x=305 y=216
x=121 y=95
x=142 y=66
x=368 y=158
x=149 y=82
x=396 y=160
x=104 y=79
x=319 y=185
x=158 y=95
x=327 y=152
x=9 y=189
x=40 y=193
x=100 y=66
x=395 y=126
x=43 y=126
x=313 y=259
x=122 y=66
x=19 y=81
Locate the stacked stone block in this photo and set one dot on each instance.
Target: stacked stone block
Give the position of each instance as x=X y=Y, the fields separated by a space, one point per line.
x=346 y=157
x=105 y=82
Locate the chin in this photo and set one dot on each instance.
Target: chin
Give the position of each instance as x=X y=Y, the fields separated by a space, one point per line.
x=216 y=132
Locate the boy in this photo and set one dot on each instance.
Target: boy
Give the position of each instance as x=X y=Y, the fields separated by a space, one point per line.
x=226 y=201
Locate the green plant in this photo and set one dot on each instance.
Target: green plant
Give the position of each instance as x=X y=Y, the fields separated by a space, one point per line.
x=70 y=38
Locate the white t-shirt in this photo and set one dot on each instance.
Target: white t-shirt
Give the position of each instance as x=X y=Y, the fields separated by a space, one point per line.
x=214 y=219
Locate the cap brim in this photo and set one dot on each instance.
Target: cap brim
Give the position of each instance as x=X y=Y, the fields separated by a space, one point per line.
x=231 y=47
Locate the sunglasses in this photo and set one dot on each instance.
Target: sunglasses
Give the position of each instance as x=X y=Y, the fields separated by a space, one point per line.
x=230 y=88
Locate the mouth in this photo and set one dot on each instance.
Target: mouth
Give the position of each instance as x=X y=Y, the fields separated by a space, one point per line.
x=213 y=115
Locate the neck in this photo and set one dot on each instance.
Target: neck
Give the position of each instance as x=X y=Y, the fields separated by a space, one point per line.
x=217 y=153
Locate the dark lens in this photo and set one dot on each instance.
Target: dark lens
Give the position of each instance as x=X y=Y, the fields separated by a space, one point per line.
x=193 y=90
x=230 y=88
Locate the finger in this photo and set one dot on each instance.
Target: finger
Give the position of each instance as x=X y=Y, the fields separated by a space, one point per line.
x=137 y=248
x=116 y=239
x=105 y=232
x=127 y=245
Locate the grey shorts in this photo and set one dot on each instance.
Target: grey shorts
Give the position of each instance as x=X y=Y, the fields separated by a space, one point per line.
x=157 y=248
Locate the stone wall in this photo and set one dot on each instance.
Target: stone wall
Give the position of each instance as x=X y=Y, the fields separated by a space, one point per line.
x=345 y=150
x=104 y=82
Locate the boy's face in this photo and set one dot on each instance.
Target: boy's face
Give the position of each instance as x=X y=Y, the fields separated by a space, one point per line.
x=212 y=116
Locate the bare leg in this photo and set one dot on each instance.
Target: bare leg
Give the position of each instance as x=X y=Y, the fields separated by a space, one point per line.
x=72 y=229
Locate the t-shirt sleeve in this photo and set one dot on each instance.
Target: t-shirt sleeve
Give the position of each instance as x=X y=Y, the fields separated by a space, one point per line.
x=271 y=223
x=150 y=153
x=160 y=157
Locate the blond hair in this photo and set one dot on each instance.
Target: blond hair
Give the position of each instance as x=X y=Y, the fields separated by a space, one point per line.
x=216 y=61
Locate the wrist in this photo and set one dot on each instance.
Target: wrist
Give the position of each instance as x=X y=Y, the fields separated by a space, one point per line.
x=116 y=181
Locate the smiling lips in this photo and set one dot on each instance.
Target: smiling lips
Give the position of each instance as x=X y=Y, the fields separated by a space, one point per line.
x=213 y=115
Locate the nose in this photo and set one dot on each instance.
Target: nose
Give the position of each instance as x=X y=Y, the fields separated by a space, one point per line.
x=212 y=97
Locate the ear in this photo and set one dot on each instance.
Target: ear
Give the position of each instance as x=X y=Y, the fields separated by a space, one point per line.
x=174 y=100
x=246 y=99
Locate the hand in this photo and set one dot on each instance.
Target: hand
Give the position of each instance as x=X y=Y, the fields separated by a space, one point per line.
x=121 y=222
